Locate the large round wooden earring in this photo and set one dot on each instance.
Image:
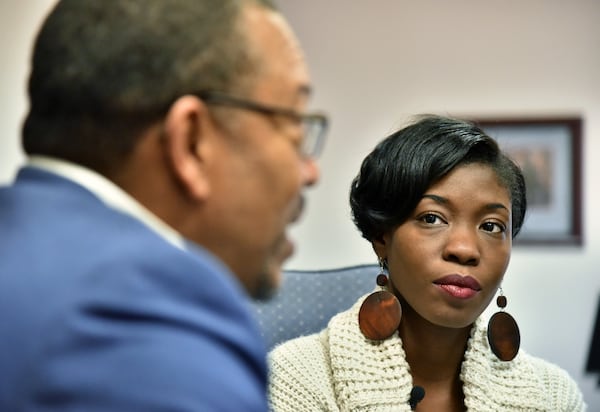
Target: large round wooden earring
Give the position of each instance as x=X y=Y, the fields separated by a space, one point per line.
x=380 y=313
x=503 y=332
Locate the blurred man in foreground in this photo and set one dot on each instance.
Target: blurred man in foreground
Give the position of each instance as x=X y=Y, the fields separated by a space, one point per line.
x=167 y=146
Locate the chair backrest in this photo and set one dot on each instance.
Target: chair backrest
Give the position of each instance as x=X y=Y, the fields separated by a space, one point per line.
x=307 y=299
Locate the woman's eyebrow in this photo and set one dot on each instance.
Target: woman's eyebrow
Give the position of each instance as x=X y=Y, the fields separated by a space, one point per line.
x=436 y=198
x=443 y=200
x=497 y=206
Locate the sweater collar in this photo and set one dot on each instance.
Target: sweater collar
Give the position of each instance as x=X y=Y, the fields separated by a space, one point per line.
x=374 y=375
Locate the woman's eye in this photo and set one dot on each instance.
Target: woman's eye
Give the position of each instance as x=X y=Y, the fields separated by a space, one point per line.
x=431 y=219
x=493 y=227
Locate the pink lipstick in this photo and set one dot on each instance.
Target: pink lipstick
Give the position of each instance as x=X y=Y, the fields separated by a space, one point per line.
x=462 y=287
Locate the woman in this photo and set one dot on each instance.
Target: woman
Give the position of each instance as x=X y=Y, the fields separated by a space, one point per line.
x=440 y=204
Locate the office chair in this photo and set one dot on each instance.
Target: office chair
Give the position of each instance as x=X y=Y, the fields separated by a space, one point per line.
x=307 y=299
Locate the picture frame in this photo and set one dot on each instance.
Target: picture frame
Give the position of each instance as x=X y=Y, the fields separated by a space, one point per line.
x=548 y=150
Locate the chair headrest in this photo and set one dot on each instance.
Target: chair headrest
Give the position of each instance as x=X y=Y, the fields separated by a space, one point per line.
x=307 y=299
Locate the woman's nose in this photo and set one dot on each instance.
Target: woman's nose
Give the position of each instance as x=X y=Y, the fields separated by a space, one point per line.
x=462 y=246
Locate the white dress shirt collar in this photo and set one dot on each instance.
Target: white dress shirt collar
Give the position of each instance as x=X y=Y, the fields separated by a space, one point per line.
x=109 y=193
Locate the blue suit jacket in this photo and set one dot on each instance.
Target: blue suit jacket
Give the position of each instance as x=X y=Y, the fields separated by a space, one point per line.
x=99 y=313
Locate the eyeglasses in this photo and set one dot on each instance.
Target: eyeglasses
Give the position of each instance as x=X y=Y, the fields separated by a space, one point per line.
x=314 y=125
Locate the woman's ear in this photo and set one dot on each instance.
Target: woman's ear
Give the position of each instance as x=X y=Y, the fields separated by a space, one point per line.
x=380 y=245
x=186 y=138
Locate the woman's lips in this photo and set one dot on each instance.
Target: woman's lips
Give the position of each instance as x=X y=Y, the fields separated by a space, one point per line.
x=462 y=287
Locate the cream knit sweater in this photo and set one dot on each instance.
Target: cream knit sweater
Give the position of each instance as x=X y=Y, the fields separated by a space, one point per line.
x=340 y=370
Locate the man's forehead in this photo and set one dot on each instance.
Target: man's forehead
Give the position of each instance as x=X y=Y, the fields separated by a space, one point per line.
x=277 y=48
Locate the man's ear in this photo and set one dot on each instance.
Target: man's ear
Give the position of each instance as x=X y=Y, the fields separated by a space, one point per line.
x=187 y=145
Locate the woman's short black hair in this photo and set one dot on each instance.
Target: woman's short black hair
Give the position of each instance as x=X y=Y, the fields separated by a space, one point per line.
x=396 y=174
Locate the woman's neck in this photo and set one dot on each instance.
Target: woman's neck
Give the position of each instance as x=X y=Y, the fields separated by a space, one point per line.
x=435 y=356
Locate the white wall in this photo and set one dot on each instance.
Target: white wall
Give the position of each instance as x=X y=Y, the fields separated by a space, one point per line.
x=19 y=22
x=376 y=63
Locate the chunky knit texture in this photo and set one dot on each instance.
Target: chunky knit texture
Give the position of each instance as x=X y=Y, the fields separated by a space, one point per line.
x=340 y=370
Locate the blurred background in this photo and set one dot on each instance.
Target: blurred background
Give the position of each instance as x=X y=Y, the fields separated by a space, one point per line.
x=374 y=65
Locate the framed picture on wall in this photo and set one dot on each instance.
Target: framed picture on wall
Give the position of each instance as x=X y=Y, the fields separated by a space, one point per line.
x=549 y=153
